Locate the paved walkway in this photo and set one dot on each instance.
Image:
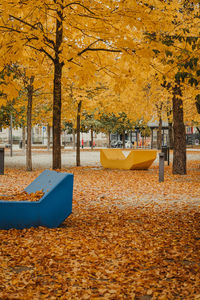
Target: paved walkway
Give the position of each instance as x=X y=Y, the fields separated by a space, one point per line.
x=43 y=159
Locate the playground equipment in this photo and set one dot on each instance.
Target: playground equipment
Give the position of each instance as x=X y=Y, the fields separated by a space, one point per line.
x=50 y=211
x=136 y=160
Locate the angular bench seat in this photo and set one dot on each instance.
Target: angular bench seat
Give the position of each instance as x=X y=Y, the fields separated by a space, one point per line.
x=50 y=211
x=136 y=160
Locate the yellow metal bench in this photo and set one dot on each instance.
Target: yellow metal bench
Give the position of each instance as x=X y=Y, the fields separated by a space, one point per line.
x=136 y=160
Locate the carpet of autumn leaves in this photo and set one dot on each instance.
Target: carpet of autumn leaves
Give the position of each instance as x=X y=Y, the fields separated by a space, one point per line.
x=23 y=196
x=129 y=237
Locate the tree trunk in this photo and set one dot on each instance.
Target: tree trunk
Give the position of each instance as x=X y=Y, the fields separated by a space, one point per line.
x=74 y=138
x=123 y=139
x=11 y=135
x=109 y=141
x=151 y=138
x=92 y=138
x=29 y=125
x=137 y=138
x=23 y=137
x=48 y=137
x=78 y=129
x=58 y=65
x=179 y=154
x=159 y=134
x=57 y=117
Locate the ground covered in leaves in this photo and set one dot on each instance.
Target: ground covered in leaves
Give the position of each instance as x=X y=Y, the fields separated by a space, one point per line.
x=22 y=196
x=129 y=237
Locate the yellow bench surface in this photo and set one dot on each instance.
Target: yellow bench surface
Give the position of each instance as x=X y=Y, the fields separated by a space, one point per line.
x=136 y=160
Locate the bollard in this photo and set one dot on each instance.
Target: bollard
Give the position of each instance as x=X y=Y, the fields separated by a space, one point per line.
x=168 y=158
x=161 y=167
x=1 y=161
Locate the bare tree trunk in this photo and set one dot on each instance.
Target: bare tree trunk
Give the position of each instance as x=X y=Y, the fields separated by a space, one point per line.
x=179 y=154
x=137 y=138
x=23 y=137
x=74 y=138
x=159 y=134
x=48 y=137
x=29 y=124
x=78 y=129
x=109 y=141
x=92 y=138
x=152 y=138
x=11 y=135
x=58 y=65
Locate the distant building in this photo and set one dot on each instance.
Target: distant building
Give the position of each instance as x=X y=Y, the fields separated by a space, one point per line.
x=40 y=136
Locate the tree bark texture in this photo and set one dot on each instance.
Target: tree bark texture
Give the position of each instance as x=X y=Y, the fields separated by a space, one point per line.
x=29 y=125
x=179 y=154
x=78 y=129
x=58 y=65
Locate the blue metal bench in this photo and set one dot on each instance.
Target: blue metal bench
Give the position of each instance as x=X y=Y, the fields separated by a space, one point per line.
x=50 y=211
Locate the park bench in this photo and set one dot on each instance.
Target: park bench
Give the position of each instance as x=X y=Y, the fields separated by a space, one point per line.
x=50 y=211
x=136 y=160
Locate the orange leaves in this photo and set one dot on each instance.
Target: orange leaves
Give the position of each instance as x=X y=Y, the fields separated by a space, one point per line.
x=128 y=237
x=23 y=196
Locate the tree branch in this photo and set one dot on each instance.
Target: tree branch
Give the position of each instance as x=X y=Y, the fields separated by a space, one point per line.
x=41 y=50
x=95 y=49
x=99 y=49
x=10 y=29
x=24 y=22
x=83 y=6
x=35 y=26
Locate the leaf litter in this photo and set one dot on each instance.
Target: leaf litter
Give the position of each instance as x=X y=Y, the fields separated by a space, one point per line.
x=129 y=237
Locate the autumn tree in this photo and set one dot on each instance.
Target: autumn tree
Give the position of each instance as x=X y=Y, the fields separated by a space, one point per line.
x=73 y=37
x=176 y=64
x=57 y=30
